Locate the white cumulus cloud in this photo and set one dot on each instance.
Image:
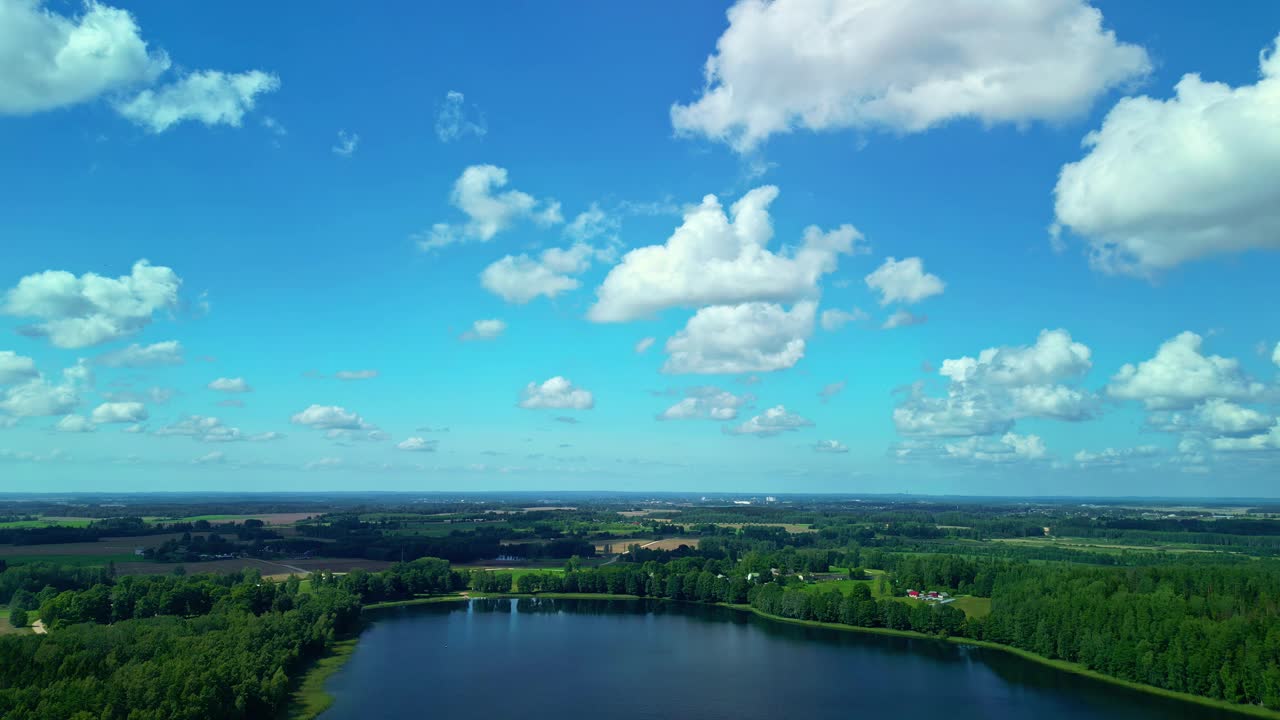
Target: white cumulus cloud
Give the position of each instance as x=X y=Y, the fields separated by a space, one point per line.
x=644 y=344
x=522 y=278
x=1114 y=457
x=1010 y=447
x=168 y=352
x=40 y=398
x=558 y=393
x=731 y=339
x=830 y=446
x=719 y=259
x=958 y=414
x=903 y=66
x=774 y=421
x=1225 y=418
x=1267 y=441
x=592 y=223
x=485 y=330
x=477 y=194
x=211 y=97
x=48 y=60
x=987 y=393
x=230 y=385
x=15 y=368
x=330 y=417
x=202 y=428
x=1053 y=357
x=119 y=412
x=1180 y=376
x=904 y=281
x=417 y=444
x=76 y=312
x=707 y=403
x=1165 y=182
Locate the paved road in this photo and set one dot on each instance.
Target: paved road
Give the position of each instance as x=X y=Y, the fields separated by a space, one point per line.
x=296 y=570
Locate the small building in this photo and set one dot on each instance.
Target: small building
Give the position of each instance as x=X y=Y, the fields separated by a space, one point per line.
x=913 y=594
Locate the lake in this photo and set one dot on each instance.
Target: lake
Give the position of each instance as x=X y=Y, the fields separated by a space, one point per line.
x=644 y=660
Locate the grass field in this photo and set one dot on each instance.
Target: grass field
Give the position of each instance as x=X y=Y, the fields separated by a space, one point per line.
x=273 y=519
x=309 y=699
x=411 y=517
x=47 y=522
x=77 y=560
x=974 y=607
x=6 y=628
x=670 y=543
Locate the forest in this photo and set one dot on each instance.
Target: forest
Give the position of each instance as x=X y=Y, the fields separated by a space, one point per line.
x=199 y=647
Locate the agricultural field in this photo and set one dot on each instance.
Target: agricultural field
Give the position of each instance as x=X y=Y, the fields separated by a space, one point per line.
x=270 y=519
x=106 y=546
x=789 y=527
x=649 y=514
x=47 y=521
x=618 y=545
x=1088 y=544
x=442 y=529
x=670 y=543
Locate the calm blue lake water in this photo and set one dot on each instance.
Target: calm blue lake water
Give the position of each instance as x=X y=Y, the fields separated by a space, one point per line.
x=644 y=660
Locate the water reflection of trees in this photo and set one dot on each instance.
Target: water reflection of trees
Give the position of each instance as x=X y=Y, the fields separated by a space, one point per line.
x=1021 y=673
x=1015 y=672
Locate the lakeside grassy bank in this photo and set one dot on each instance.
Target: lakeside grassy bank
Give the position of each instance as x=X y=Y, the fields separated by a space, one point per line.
x=312 y=694
x=419 y=601
x=310 y=699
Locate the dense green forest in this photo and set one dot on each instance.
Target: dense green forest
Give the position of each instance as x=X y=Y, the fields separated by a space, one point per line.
x=164 y=648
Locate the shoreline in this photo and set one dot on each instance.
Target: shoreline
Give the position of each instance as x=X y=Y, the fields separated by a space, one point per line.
x=323 y=674
x=1062 y=665
x=309 y=698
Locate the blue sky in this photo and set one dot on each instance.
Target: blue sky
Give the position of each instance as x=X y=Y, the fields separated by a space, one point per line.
x=1071 y=242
